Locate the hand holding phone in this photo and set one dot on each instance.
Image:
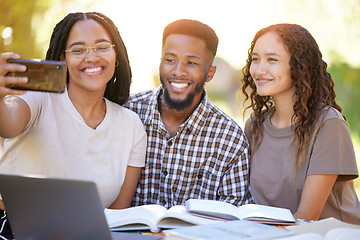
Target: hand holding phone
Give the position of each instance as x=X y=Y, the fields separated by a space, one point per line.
x=48 y=76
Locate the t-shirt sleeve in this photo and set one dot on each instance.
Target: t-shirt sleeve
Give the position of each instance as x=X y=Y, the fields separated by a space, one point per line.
x=333 y=151
x=138 y=152
x=33 y=100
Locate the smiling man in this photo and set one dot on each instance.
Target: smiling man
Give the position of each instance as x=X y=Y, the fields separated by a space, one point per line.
x=194 y=149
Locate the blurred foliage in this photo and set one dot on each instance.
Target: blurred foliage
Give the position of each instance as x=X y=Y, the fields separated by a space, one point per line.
x=18 y=15
x=347 y=88
x=32 y=23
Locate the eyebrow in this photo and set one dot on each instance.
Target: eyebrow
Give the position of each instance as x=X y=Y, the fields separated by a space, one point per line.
x=96 y=41
x=194 y=57
x=267 y=54
x=173 y=54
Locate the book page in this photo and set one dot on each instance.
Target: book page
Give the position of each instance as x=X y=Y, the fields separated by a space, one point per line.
x=177 y=216
x=212 y=208
x=321 y=226
x=305 y=236
x=230 y=230
x=142 y=215
x=343 y=233
x=264 y=213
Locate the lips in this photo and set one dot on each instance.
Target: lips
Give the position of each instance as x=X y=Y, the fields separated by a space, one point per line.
x=92 y=70
x=179 y=85
x=261 y=81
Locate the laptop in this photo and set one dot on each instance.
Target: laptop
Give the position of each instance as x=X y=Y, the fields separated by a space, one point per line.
x=49 y=208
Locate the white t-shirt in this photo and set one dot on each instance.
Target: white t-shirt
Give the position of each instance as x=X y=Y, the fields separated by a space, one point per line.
x=58 y=143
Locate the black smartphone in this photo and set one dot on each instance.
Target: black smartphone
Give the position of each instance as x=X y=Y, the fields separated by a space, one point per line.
x=47 y=76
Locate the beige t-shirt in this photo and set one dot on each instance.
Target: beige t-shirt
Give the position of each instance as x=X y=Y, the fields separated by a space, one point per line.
x=272 y=178
x=58 y=143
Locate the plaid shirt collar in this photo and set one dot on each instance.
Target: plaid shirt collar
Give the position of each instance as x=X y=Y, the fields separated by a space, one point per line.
x=194 y=123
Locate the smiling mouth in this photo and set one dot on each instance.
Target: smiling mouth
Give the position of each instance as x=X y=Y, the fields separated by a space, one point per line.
x=263 y=80
x=179 y=85
x=92 y=70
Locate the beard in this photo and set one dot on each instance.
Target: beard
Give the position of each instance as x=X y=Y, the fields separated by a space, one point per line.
x=180 y=105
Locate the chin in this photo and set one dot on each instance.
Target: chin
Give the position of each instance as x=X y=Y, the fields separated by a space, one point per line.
x=260 y=94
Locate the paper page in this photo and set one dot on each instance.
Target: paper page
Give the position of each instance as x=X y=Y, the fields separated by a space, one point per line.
x=146 y=214
x=343 y=233
x=211 y=208
x=231 y=230
x=258 y=212
x=321 y=226
x=177 y=216
x=305 y=236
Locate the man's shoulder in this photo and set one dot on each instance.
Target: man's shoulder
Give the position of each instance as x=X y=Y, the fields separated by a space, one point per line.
x=216 y=113
x=139 y=100
x=141 y=96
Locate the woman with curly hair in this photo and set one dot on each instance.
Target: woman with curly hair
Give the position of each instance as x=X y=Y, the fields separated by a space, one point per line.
x=302 y=156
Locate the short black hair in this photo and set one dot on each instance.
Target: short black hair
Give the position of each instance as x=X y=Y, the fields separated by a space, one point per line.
x=118 y=88
x=193 y=28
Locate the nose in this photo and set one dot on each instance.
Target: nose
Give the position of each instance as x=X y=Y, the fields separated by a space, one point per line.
x=91 y=54
x=179 y=70
x=259 y=67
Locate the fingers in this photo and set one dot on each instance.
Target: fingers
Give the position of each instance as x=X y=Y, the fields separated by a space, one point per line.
x=8 y=91
x=6 y=67
x=8 y=55
x=5 y=79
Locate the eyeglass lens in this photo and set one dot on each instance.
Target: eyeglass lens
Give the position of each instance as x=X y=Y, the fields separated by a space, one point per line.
x=100 y=48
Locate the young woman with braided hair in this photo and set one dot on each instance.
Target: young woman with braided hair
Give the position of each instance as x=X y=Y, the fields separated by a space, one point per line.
x=302 y=157
x=83 y=133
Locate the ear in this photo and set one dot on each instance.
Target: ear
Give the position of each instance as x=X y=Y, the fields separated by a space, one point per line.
x=62 y=57
x=211 y=73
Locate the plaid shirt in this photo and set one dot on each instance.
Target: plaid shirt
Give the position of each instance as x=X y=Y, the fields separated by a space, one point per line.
x=207 y=158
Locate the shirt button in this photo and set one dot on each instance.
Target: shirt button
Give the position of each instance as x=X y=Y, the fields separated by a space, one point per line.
x=165 y=173
x=199 y=176
x=169 y=143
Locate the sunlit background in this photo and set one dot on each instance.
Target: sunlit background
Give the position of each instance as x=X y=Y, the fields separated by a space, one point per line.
x=25 y=27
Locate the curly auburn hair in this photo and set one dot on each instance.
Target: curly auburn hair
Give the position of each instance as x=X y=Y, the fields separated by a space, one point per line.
x=118 y=88
x=314 y=87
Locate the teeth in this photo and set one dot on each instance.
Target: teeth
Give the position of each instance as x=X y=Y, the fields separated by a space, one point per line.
x=179 y=85
x=91 y=70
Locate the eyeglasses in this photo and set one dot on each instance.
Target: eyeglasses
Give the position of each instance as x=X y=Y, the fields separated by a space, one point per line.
x=81 y=51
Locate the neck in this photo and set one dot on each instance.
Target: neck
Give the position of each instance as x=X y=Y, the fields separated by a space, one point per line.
x=90 y=105
x=282 y=116
x=172 y=118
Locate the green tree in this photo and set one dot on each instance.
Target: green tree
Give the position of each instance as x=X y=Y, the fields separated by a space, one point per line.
x=32 y=22
x=347 y=88
x=19 y=15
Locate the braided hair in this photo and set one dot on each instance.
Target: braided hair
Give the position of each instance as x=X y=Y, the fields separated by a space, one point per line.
x=118 y=88
x=314 y=87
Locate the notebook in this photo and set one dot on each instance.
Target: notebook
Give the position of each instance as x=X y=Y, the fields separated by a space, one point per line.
x=49 y=208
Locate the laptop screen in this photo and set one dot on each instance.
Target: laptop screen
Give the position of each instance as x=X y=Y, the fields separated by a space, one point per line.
x=49 y=208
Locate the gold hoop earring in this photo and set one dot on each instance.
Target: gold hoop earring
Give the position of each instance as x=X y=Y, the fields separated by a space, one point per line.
x=117 y=63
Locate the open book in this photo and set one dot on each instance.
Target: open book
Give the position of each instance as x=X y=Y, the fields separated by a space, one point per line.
x=329 y=229
x=252 y=212
x=333 y=234
x=151 y=217
x=229 y=230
